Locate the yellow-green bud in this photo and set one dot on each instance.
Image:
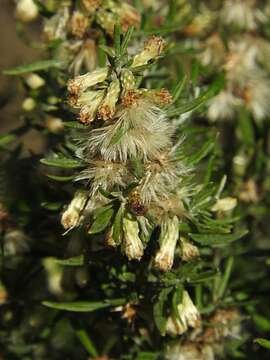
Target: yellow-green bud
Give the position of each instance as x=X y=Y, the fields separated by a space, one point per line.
x=133 y=245
x=107 y=108
x=188 y=250
x=90 y=102
x=225 y=204
x=28 y=104
x=34 y=81
x=82 y=82
x=106 y=20
x=127 y=80
x=152 y=49
x=71 y=216
x=26 y=10
x=90 y=5
x=168 y=239
x=54 y=125
x=188 y=315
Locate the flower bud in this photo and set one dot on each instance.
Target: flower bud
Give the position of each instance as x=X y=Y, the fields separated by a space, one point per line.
x=107 y=108
x=91 y=5
x=160 y=97
x=71 y=216
x=225 y=204
x=152 y=49
x=89 y=110
x=189 y=251
x=106 y=20
x=129 y=16
x=127 y=80
x=26 y=10
x=78 y=24
x=133 y=246
x=56 y=26
x=54 y=125
x=109 y=240
x=188 y=315
x=54 y=275
x=28 y=104
x=82 y=82
x=168 y=239
x=34 y=81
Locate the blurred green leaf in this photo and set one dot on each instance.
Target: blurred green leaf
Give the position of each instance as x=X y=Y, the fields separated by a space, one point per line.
x=36 y=66
x=217 y=239
x=263 y=342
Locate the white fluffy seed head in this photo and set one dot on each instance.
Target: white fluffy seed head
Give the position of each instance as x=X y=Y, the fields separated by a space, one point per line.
x=106 y=175
x=222 y=106
x=163 y=175
x=140 y=130
x=240 y=14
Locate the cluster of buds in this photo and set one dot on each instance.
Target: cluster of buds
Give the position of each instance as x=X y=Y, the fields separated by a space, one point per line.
x=97 y=93
x=80 y=25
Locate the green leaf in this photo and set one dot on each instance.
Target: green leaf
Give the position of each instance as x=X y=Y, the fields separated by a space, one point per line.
x=158 y=310
x=36 y=66
x=117 y=39
x=262 y=323
x=263 y=342
x=246 y=127
x=74 y=125
x=54 y=206
x=199 y=101
x=62 y=162
x=117 y=225
x=77 y=306
x=108 y=50
x=179 y=88
x=61 y=178
x=87 y=342
x=147 y=356
x=176 y=300
x=126 y=39
x=5 y=139
x=217 y=239
x=118 y=135
x=202 y=153
x=74 y=261
x=102 y=220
